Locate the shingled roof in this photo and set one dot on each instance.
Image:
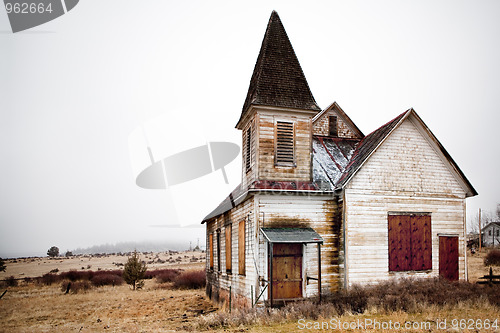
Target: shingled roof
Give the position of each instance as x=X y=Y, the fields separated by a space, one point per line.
x=277 y=79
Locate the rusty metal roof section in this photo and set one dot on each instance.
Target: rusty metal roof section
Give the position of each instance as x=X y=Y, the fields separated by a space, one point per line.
x=331 y=156
x=284 y=185
x=277 y=79
x=291 y=235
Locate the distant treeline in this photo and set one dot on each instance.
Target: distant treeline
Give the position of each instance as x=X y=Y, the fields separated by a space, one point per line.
x=124 y=247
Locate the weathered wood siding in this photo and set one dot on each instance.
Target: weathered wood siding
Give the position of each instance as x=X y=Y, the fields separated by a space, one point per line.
x=318 y=212
x=218 y=282
x=267 y=170
x=322 y=127
x=405 y=174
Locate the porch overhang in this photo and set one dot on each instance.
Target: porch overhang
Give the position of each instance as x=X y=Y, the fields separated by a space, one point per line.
x=291 y=235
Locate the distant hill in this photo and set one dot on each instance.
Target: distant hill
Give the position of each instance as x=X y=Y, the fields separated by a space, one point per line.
x=131 y=246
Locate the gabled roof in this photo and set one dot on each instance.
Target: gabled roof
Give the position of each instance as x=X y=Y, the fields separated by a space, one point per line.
x=366 y=147
x=491 y=224
x=343 y=115
x=372 y=141
x=277 y=78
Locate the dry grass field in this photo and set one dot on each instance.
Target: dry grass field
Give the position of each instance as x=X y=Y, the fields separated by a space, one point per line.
x=158 y=307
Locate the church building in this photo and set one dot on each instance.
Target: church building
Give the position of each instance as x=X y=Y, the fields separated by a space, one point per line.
x=322 y=206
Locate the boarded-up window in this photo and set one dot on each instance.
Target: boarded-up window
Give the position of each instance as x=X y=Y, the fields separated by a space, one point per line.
x=228 y=248
x=410 y=243
x=333 y=126
x=241 y=248
x=285 y=150
x=211 y=249
x=218 y=250
x=248 y=152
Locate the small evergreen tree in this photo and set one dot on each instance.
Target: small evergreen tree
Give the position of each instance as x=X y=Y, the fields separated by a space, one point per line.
x=134 y=271
x=53 y=252
x=2 y=265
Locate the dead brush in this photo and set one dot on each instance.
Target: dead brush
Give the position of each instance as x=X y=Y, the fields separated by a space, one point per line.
x=410 y=296
x=76 y=287
x=190 y=280
x=492 y=258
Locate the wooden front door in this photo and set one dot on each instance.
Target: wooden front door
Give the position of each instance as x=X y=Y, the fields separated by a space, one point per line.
x=448 y=257
x=287 y=271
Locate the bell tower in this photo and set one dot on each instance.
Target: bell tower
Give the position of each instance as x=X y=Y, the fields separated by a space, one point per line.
x=276 y=120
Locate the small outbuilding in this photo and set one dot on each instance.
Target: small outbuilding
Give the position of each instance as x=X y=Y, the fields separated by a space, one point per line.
x=491 y=234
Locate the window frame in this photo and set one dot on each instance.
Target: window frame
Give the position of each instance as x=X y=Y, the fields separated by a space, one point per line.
x=277 y=143
x=330 y=127
x=218 y=251
x=248 y=149
x=211 y=253
x=241 y=248
x=228 y=247
x=409 y=242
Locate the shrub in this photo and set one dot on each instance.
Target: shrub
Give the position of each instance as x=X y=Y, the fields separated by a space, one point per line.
x=190 y=280
x=49 y=279
x=2 y=265
x=107 y=280
x=53 y=252
x=166 y=275
x=76 y=287
x=74 y=275
x=492 y=258
x=11 y=281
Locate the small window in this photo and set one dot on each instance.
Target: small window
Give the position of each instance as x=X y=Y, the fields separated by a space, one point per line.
x=241 y=248
x=285 y=143
x=248 y=157
x=410 y=243
x=489 y=232
x=218 y=250
x=211 y=249
x=228 y=248
x=498 y=233
x=333 y=126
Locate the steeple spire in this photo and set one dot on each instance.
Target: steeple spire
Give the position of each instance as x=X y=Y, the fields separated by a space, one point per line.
x=277 y=79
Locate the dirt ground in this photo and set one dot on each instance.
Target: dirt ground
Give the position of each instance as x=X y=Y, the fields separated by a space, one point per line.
x=476 y=265
x=32 y=307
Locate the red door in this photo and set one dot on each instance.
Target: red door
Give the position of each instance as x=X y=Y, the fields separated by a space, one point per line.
x=448 y=257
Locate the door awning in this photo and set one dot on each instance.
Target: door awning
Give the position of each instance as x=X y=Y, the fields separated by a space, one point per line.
x=291 y=235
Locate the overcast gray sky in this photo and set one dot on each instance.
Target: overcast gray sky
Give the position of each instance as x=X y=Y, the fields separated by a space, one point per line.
x=73 y=91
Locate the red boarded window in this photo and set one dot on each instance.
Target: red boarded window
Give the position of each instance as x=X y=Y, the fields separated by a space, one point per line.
x=410 y=243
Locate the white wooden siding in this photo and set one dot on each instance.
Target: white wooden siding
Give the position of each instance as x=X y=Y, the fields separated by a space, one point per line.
x=405 y=174
x=406 y=163
x=298 y=211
